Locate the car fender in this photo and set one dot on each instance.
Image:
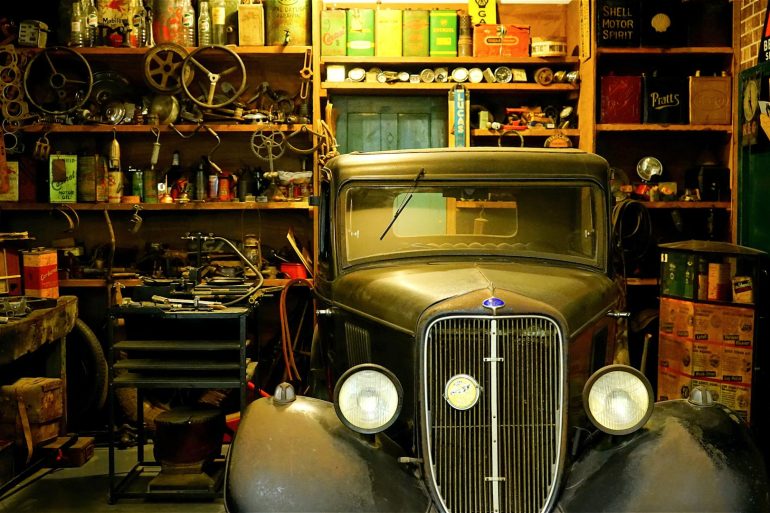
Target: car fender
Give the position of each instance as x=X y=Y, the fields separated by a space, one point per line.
x=685 y=458
x=300 y=457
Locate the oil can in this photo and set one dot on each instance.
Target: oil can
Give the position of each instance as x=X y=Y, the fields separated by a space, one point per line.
x=288 y=22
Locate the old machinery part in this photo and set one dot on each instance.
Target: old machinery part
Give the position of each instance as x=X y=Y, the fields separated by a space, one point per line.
x=163 y=66
x=303 y=131
x=544 y=76
x=306 y=74
x=210 y=82
x=510 y=132
x=649 y=167
x=268 y=146
x=166 y=107
x=58 y=80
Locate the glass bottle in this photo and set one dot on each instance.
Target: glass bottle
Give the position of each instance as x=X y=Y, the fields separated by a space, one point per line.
x=76 y=25
x=218 y=35
x=138 y=34
x=92 y=23
x=204 y=24
x=188 y=23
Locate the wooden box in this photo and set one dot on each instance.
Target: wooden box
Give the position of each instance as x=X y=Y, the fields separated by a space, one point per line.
x=41 y=398
x=73 y=454
x=710 y=100
x=665 y=100
x=617 y=23
x=500 y=40
x=621 y=99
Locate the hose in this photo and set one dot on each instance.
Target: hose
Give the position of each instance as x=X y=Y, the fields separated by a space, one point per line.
x=286 y=339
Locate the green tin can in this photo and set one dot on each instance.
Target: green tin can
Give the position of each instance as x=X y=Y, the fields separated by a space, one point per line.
x=288 y=22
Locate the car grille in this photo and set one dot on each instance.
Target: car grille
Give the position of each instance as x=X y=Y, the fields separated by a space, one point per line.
x=501 y=455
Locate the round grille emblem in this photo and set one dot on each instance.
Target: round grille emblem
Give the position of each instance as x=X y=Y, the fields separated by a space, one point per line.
x=462 y=391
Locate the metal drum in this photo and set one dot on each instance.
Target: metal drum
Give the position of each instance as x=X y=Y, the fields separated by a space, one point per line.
x=288 y=22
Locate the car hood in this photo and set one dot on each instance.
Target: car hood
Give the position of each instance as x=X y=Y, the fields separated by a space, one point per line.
x=399 y=295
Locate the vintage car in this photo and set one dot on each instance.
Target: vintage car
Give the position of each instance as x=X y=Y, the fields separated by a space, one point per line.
x=467 y=318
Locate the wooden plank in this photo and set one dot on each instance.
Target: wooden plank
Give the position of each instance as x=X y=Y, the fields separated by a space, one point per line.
x=27 y=334
x=166 y=365
x=177 y=345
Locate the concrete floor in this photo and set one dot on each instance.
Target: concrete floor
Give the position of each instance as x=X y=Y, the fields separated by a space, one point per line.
x=85 y=489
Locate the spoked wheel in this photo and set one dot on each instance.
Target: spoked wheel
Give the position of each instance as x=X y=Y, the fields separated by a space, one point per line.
x=58 y=80
x=163 y=66
x=208 y=66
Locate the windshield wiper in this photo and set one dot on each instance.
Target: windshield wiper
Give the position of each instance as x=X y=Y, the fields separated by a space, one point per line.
x=404 y=204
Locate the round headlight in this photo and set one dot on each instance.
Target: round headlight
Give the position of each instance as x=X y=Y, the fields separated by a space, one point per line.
x=618 y=399
x=368 y=398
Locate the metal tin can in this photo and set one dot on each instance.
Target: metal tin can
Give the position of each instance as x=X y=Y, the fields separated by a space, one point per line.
x=288 y=22
x=137 y=182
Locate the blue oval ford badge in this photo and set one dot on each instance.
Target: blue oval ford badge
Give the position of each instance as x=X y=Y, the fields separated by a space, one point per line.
x=493 y=303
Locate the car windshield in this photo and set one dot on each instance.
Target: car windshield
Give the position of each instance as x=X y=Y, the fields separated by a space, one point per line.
x=562 y=220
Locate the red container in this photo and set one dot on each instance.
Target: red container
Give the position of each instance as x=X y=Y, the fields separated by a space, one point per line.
x=621 y=99
x=294 y=270
x=500 y=41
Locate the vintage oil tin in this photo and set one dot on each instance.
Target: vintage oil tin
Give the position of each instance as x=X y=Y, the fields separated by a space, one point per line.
x=665 y=100
x=40 y=273
x=360 y=33
x=621 y=100
x=251 y=25
x=63 y=170
x=500 y=40
x=388 y=32
x=333 y=32
x=92 y=178
x=710 y=100
x=443 y=33
x=288 y=18
x=617 y=23
x=415 y=34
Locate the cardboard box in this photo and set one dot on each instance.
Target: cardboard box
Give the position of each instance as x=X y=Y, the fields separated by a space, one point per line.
x=9 y=182
x=672 y=385
x=388 y=30
x=69 y=453
x=63 y=172
x=710 y=100
x=617 y=23
x=500 y=40
x=360 y=32
x=251 y=25
x=665 y=100
x=333 y=32
x=737 y=397
x=10 y=272
x=719 y=283
x=675 y=354
x=40 y=273
x=443 y=33
x=621 y=99
x=415 y=33
x=92 y=178
x=678 y=274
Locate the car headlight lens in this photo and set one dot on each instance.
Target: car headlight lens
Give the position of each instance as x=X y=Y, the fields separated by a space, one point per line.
x=618 y=399
x=368 y=398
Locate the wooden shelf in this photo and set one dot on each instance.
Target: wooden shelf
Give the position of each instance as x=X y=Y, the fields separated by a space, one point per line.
x=695 y=50
x=641 y=282
x=109 y=51
x=470 y=61
x=162 y=207
x=688 y=204
x=653 y=127
x=529 y=132
x=368 y=87
x=146 y=129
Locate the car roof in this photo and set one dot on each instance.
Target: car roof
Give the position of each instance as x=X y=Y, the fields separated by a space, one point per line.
x=471 y=163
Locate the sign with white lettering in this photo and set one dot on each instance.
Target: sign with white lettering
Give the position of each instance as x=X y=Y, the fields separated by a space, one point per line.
x=764 y=45
x=666 y=100
x=617 y=23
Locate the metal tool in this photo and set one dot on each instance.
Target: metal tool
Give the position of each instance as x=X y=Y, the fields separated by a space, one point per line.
x=196 y=303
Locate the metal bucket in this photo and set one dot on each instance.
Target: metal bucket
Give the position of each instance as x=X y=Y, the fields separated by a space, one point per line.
x=288 y=22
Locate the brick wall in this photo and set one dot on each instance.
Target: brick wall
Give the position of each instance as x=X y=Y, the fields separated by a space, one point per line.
x=752 y=20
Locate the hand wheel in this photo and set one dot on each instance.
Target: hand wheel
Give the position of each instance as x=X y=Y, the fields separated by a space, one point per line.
x=58 y=88
x=268 y=146
x=211 y=86
x=163 y=68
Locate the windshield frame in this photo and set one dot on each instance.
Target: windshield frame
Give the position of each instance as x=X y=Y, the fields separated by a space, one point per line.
x=599 y=201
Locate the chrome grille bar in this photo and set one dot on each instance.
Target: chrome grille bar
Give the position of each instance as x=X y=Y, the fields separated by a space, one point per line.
x=510 y=440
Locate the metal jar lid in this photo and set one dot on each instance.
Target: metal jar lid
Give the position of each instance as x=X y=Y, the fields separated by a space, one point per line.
x=460 y=74
x=357 y=74
x=427 y=75
x=475 y=75
x=503 y=74
x=442 y=75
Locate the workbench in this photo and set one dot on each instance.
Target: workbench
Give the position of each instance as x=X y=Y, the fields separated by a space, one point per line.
x=42 y=333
